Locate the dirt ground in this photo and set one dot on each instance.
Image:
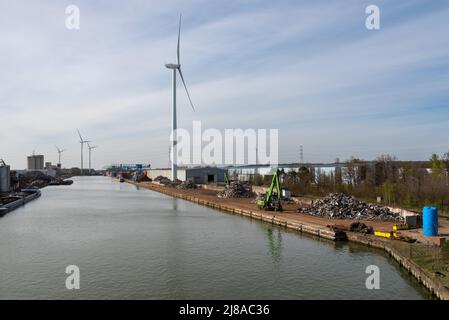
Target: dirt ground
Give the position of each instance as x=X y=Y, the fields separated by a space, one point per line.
x=248 y=203
x=291 y=213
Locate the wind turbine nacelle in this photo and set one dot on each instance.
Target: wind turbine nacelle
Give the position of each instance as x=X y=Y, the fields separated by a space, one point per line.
x=172 y=66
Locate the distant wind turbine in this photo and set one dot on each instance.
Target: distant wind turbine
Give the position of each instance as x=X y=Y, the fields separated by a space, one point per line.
x=60 y=151
x=176 y=67
x=82 y=141
x=90 y=155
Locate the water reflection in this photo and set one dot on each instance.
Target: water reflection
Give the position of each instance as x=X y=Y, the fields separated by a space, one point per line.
x=274 y=244
x=174 y=204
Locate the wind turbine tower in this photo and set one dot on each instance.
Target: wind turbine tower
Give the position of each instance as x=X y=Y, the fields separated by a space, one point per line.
x=176 y=67
x=60 y=151
x=90 y=155
x=82 y=142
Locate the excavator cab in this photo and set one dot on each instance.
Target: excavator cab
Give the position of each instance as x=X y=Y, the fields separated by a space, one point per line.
x=272 y=200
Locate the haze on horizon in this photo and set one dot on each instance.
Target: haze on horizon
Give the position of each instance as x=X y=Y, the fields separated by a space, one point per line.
x=310 y=69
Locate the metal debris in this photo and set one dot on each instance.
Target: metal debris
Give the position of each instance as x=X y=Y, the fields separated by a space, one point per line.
x=167 y=182
x=159 y=178
x=37 y=179
x=341 y=206
x=186 y=185
x=361 y=228
x=32 y=179
x=236 y=190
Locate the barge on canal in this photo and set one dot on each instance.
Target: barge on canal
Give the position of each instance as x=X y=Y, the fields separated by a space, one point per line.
x=14 y=201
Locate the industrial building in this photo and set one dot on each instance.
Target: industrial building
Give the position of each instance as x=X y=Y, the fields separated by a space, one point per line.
x=198 y=175
x=5 y=179
x=35 y=162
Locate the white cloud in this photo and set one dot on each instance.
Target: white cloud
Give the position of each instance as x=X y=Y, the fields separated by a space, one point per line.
x=309 y=69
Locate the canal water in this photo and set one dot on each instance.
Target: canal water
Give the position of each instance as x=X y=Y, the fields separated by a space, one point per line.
x=132 y=243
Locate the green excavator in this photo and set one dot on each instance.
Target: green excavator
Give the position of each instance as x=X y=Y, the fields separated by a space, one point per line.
x=272 y=201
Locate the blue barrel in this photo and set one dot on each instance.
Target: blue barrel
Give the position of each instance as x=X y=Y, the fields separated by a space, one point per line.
x=430 y=221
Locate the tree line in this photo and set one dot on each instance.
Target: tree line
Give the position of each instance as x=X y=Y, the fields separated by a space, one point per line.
x=408 y=184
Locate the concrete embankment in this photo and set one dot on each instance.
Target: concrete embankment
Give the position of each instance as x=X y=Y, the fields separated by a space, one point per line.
x=305 y=224
x=433 y=285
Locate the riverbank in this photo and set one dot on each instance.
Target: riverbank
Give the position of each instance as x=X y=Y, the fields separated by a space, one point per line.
x=325 y=228
x=19 y=200
x=30 y=184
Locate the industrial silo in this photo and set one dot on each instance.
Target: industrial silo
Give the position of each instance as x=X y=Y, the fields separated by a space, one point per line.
x=5 y=180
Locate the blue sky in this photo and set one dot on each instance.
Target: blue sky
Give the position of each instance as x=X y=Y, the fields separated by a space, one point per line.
x=308 y=68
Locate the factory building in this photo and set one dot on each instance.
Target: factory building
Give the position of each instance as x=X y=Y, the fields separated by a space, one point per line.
x=36 y=162
x=204 y=175
x=199 y=175
x=5 y=179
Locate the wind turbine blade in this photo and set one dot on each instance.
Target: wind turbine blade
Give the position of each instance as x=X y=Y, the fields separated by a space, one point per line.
x=185 y=87
x=57 y=149
x=81 y=138
x=179 y=38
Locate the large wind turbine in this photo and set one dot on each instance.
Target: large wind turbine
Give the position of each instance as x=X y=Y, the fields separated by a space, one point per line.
x=176 y=67
x=90 y=155
x=60 y=151
x=82 y=141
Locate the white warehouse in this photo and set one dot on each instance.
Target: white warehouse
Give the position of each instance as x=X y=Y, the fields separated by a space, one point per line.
x=199 y=175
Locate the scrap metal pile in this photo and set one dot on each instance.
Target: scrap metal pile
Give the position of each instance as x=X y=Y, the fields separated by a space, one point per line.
x=167 y=182
x=160 y=178
x=236 y=190
x=37 y=179
x=186 y=185
x=361 y=228
x=341 y=206
x=34 y=179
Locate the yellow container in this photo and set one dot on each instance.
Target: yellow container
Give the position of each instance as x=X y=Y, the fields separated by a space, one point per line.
x=385 y=234
x=403 y=226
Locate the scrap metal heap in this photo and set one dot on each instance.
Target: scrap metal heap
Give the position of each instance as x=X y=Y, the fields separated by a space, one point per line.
x=341 y=206
x=361 y=228
x=236 y=189
x=34 y=179
x=167 y=182
x=37 y=179
x=186 y=185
